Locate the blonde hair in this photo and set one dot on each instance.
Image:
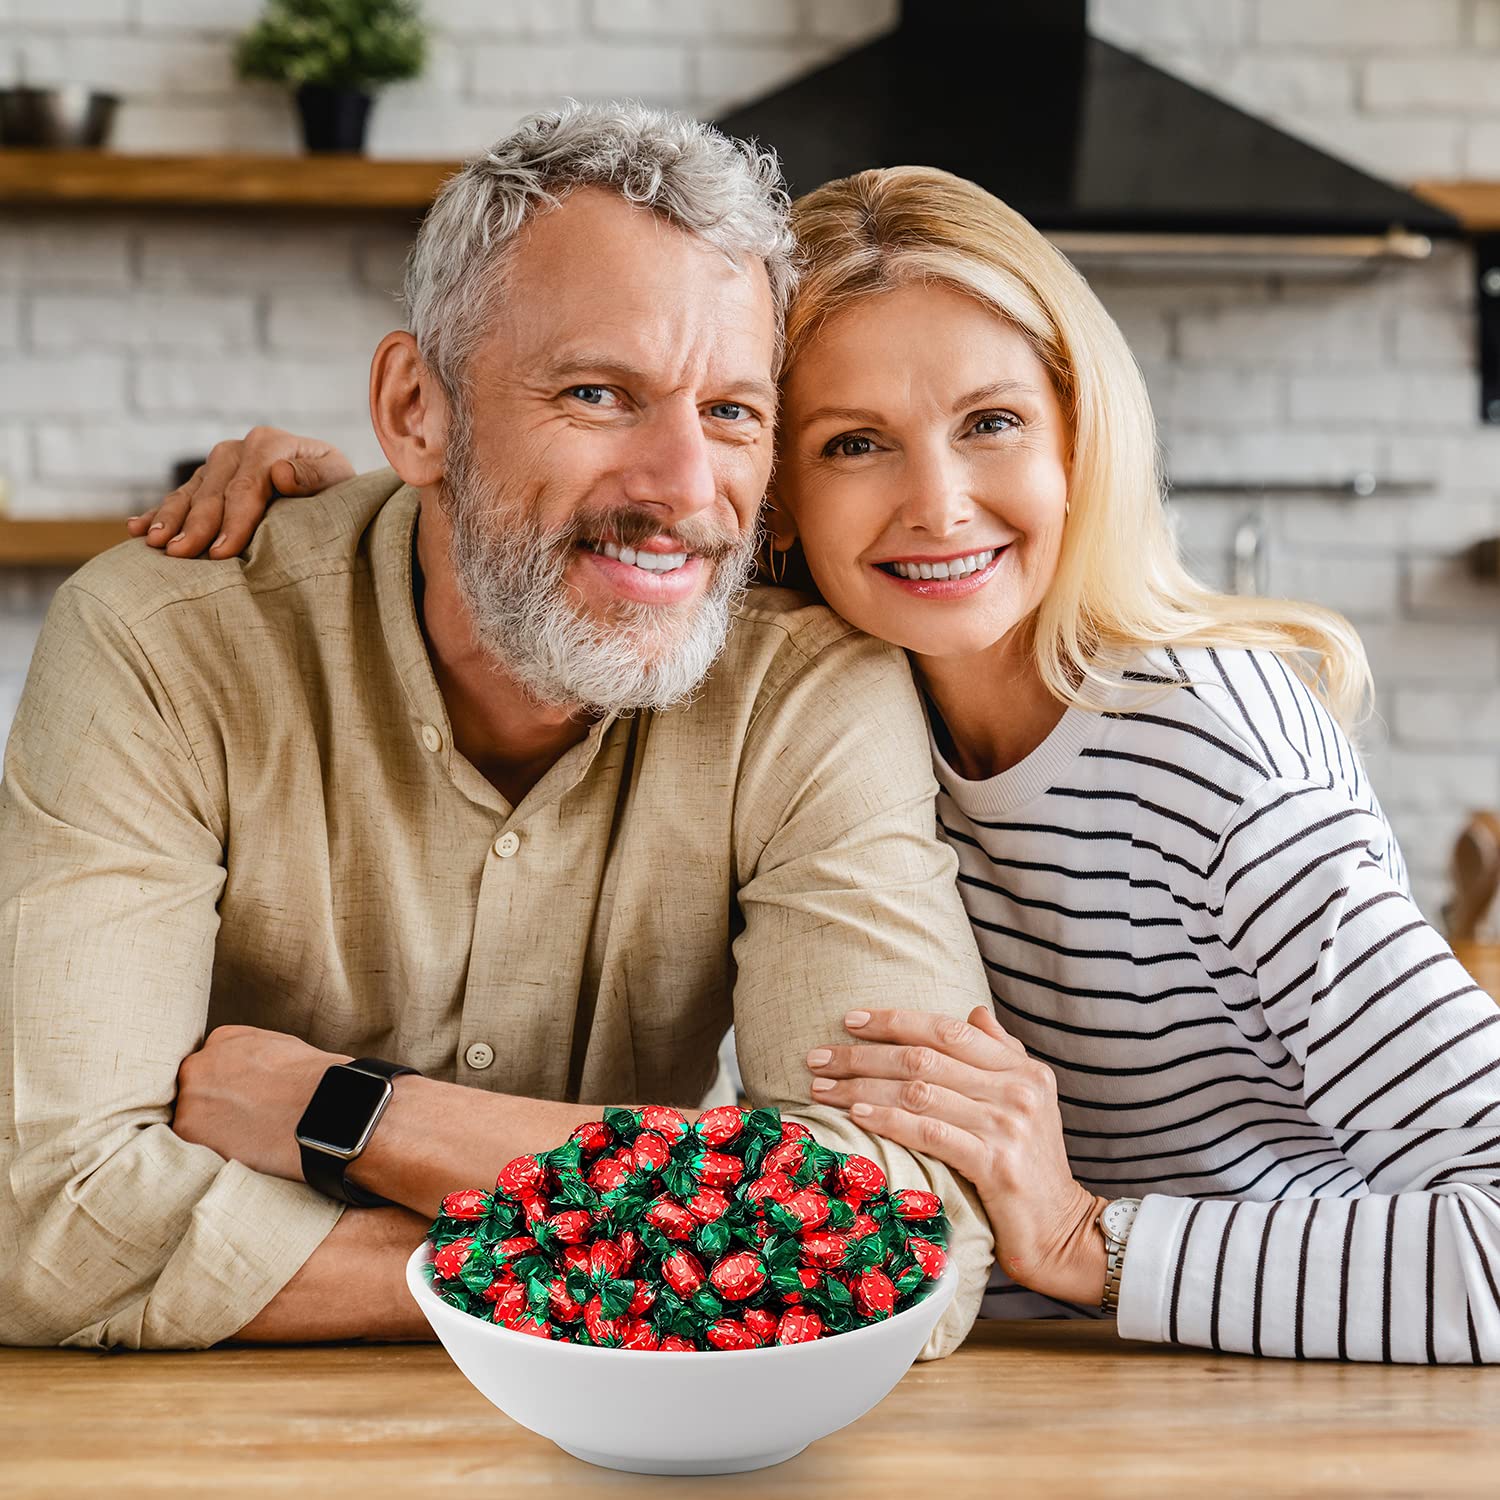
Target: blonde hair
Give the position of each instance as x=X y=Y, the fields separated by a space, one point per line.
x=1120 y=585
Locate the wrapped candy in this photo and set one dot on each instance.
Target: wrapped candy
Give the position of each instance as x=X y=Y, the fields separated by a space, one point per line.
x=645 y=1231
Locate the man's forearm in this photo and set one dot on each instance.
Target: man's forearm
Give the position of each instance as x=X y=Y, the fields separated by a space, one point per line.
x=353 y=1286
x=435 y=1137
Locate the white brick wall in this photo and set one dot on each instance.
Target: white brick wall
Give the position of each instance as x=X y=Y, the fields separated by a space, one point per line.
x=129 y=340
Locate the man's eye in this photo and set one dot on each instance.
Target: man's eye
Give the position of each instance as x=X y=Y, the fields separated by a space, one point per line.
x=594 y=395
x=728 y=411
x=852 y=445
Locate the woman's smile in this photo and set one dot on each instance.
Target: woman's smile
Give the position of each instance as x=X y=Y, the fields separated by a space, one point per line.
x=945 y=577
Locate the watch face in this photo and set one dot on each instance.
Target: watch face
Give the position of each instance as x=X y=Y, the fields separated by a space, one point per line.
x=339 y=1114
x=1119 y=1216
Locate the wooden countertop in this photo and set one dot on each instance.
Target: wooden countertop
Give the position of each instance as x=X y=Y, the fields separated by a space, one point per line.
x=1023 y=1409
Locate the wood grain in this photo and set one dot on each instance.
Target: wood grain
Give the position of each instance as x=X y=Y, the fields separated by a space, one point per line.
x=1475 y=204
x=50 y=544
x=1482 y=960
x=1021 y=1410
x=103 y=178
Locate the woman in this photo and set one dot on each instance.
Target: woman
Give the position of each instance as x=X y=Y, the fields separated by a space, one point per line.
x=1225 y=1035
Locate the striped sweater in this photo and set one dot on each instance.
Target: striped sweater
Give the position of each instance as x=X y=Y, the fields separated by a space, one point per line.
x=1195 y=912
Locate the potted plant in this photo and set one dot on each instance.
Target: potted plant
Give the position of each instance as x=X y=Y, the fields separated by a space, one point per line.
x=333 y=53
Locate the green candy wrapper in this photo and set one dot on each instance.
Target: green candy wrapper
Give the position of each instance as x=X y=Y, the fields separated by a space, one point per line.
x=642 y=1231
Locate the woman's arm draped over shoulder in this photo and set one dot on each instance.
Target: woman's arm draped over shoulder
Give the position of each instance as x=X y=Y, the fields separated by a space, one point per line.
x=1398 y=1258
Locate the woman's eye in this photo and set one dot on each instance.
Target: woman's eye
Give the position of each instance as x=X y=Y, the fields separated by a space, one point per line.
x=996 y=421
x=852 y=445
x=728 y=411
x=593 y=395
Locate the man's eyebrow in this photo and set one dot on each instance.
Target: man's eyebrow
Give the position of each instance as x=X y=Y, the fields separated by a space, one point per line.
x=612 y=368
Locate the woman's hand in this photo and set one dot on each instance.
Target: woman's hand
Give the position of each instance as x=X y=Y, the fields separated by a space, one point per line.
x=969 y=1095
x=222 y=504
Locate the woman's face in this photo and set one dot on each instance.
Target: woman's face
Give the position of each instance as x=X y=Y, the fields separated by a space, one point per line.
x=924 y=465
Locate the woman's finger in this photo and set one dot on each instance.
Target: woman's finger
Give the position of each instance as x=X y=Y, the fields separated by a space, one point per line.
x=246 y=499
x=157 y=528
x=199 y=526
x=938 y=1033
x=169 y=517
x=916 y=1096
x=926 y=1134
x=206 y=484
x=913 y=1064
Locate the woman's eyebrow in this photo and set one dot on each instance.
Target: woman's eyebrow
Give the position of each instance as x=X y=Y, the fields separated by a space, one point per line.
x=842 y=413
x=990 y=392
x=865 y=415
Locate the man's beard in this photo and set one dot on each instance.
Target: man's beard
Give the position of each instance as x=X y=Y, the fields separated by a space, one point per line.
x=511 y=575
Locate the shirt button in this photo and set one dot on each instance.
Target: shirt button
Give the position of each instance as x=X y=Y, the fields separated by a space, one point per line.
x=507 y=845
x=480 y=1055
x=432 y=737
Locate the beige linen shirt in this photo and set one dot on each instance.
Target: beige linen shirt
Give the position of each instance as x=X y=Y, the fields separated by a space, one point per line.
x=231 y=795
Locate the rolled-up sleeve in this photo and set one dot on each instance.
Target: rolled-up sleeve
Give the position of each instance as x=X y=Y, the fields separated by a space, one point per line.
x=848 y=899
x=113 y=1230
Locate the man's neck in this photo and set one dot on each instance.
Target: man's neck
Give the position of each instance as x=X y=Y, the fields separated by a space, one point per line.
x=511 y=741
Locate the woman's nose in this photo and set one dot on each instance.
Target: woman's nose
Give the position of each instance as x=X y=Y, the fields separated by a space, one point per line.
x=936 y=499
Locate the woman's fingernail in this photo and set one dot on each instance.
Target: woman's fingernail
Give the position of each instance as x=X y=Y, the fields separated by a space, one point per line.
x=158 y=525
x=218 y=541
x=819 y=1057
x=860 y=1111
x=132 y=518
x=178 y=537
x=857 y=1018
x=822 y=1085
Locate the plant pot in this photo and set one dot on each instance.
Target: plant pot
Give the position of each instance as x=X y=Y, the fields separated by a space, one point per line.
x=333 y=119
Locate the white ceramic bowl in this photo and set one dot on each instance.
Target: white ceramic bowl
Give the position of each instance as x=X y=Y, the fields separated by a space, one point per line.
x=716 y=1412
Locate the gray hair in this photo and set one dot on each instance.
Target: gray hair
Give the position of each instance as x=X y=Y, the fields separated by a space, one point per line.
x=727 y=192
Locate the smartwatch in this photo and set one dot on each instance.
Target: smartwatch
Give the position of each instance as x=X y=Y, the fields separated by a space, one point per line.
x=338 y=1122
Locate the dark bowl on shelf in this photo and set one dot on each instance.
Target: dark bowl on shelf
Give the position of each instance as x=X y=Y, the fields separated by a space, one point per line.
x=71 y=116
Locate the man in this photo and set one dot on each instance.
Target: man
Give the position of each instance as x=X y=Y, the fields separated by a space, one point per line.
x=420 y=781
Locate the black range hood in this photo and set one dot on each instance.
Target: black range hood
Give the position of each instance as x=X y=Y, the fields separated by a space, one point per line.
x=1095 y=146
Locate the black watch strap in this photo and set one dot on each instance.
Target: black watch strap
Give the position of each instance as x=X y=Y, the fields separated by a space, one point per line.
x=329 y=1173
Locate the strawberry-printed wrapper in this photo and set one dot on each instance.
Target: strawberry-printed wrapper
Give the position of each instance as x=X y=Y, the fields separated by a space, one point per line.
x=645 y=1232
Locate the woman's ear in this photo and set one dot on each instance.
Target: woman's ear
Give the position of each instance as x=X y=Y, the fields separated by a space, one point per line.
x=408 y=409
x=779 y=522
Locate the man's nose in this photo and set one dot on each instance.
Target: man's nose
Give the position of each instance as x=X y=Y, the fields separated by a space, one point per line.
x=672 y=469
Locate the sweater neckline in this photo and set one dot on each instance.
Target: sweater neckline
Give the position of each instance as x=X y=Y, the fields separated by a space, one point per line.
x=1005 y=793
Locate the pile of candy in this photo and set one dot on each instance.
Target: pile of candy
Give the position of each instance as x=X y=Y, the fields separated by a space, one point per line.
x=645 y=1232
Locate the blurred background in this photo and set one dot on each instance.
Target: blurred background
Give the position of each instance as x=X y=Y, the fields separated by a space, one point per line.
x=1324 y=413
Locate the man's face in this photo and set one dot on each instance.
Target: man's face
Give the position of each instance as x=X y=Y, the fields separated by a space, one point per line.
x=605 y=494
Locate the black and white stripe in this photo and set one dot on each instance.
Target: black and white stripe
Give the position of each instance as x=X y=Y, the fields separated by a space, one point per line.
x=1195 y=912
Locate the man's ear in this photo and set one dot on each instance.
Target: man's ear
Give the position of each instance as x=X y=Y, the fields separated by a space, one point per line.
x=408 y=409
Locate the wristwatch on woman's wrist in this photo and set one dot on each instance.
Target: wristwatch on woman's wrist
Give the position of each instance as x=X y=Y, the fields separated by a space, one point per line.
x=1114 y=1223
x=338 y=1122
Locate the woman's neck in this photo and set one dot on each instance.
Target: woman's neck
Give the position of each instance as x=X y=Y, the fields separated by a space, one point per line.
x=993 y=709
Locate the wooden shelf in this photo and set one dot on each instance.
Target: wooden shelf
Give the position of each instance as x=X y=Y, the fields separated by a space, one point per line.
x=1475 y=204
x=95 y=179
x=57 y=544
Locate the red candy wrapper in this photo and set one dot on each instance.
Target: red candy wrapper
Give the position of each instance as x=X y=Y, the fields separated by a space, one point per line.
x=644 y=1232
